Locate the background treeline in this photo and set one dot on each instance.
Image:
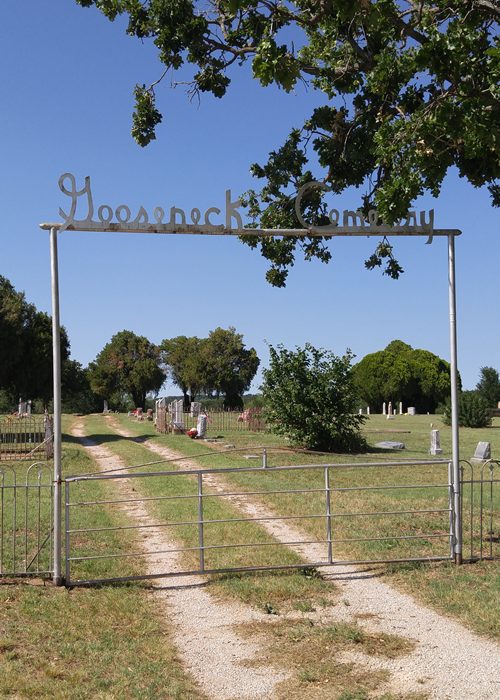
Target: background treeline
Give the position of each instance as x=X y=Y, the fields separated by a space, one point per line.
x=216 y=367
x=130 y=370
x=26 y=357
x=127 y=373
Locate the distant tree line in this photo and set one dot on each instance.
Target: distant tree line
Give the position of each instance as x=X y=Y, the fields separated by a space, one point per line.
x=26 y=355
x=219 y=365
x=130 y=368
x=125 y=372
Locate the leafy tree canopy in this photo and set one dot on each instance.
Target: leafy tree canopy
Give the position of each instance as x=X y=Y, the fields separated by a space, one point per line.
x=401 y=90
x=78 y=396
x=184 y=358
x=230 y=365
x=26 y=347
x=218 y=364
x=399 y=373
x=489 y=386
x=128 y=363
x=310 y=398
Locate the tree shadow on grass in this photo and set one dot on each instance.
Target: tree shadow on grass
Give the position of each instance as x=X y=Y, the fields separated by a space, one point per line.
x=101 y=439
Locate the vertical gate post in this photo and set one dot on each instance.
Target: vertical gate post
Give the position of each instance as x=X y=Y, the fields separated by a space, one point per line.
x=56 y=364
x=201 y=543
x=328 y=515
x=457 y=511
x=67 y=528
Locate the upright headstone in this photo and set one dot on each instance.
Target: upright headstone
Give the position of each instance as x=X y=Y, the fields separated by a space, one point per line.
x=105 y=407
x=28 y=407
x=435 y=443
x=201 y=425
x=411 y=411
x=195 y=408
x=482 y=453
x=400 y=408
x=176 y=408
x=360 y=411
x=384 y=411
x=367 y=410
x=49 y=435
x=389 y=411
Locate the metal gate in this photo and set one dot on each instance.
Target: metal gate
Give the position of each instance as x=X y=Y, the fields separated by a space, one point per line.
x=26 y=520
x=212 y=521
x=480 y=509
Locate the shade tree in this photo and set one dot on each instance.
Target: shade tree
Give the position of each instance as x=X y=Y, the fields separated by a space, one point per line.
x=489 y=386
x=218 y=365
x=184 y=359
x=129 y=364
x=230 y=366
x=400 y=92
x=26 y=347
x=399 y=373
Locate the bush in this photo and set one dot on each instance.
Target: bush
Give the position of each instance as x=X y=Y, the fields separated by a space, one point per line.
x=473 y=411
x=310 y=398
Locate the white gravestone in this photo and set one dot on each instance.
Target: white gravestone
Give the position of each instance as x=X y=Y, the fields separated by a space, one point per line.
x=400 y=408
x=389 y=410
x=201 y=425
x=176 y=409
x=482 y=453
x=195 y=408
x=412 y=411
x=390 y=445
x=384 y=412
x=435 y=443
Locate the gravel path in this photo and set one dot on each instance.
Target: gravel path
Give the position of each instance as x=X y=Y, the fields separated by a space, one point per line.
x=202 y=627
x=449 y=661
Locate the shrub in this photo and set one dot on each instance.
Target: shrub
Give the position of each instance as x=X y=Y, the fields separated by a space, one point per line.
x=473 y=411
x=310 y=398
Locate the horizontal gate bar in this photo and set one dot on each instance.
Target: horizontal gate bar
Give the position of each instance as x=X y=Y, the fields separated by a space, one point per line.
x=256 y=520
x=259 y=544
x=228 y=470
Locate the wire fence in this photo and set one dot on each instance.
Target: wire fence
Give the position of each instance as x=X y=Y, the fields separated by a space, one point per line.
x=480 y=509
x=26 y=437
x=26 y=515
x=218 y=420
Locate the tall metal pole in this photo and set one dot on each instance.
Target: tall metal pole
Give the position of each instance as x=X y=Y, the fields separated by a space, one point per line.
x=457 y=533
x=56 y=365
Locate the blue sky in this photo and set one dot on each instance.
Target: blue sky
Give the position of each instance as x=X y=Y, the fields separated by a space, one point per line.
x=67 y=77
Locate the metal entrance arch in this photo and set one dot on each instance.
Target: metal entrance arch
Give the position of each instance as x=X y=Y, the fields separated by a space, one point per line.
x=354 y=224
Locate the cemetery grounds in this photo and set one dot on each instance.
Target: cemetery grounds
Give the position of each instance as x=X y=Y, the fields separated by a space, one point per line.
x=111 y=642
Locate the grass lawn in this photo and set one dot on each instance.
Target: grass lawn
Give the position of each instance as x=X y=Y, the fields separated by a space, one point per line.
x=102 y=643
x=467 y=592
